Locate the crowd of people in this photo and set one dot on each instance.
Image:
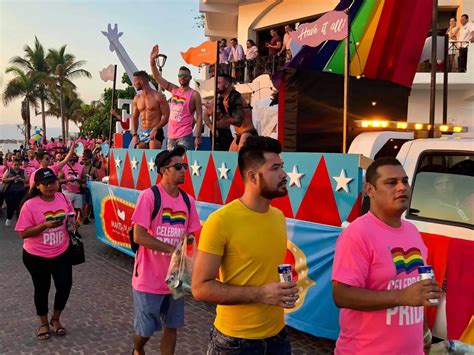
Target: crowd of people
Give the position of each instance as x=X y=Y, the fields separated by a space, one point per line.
x=244 y=65
x=18 y=170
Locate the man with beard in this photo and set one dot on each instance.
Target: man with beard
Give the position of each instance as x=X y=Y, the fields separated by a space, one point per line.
x=184 y=104
x=244 y=242
x=153 y=108
x=233 y=110
x=157 y=236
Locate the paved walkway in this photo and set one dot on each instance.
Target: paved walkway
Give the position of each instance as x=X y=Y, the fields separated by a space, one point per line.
x=99 y=313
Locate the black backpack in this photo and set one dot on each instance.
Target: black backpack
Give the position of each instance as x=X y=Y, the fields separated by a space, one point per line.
x=156 y=192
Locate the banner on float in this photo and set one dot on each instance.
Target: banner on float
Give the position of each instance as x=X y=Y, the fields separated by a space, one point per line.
x=310 y=252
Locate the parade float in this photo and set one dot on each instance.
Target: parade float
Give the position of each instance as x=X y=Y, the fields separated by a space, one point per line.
x=324 y=190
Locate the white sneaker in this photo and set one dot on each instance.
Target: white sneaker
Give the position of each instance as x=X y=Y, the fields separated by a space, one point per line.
x=8 y=222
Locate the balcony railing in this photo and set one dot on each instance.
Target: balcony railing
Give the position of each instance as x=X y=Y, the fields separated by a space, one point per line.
x=457 y=52
x=245 y=71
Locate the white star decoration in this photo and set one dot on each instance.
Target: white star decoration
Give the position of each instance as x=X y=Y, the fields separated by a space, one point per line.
x=295 y=177
x=195 y=168
x=224 y=171
x=117 y=162
x=151 y=165
x=342 y=181
x=134 y=163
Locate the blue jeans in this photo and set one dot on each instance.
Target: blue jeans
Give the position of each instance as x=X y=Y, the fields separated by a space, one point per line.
x=221 y=344
x=186 y=141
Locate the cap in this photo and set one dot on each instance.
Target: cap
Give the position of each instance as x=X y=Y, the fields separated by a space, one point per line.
x=163 y=158
x=43 y=176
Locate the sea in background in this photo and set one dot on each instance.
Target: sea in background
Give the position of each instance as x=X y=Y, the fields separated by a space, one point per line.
x=5 y=147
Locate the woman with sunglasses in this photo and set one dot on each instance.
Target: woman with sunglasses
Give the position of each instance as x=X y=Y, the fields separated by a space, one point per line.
x=42 y=226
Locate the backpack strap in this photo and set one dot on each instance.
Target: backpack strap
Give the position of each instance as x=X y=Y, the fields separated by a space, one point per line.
x=186 y=200
x=157 y=204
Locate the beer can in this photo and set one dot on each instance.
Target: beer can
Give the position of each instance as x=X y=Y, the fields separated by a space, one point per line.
x=284 y=270
x=426 y=273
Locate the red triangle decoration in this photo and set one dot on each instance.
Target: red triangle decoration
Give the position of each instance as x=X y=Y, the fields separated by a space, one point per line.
x=236 y=188
x=127 y=175
x=356 y=209
x=284 y=204
x=319 y=204
x=210 y=190
x=188 y=182
x=143 y=181
x=113 y=179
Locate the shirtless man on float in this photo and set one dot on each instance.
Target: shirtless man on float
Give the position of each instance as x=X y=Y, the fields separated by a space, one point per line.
x=233 y=110
x=153 y=108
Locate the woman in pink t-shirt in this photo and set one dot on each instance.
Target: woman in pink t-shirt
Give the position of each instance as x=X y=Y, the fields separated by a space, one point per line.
x=42 y=226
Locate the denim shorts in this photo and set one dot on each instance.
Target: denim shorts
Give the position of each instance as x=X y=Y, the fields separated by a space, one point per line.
x=153 y=312
x=221 y=344
x=186 y=141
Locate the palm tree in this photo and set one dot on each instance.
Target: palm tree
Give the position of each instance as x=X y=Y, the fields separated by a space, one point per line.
x=23 y=86
x=64 y=69
x=71 y=107
x=34 y=62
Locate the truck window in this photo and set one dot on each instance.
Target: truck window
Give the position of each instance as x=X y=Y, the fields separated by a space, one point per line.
x=443 y=189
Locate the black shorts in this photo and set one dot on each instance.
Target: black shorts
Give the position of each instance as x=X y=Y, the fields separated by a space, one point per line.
x=160 y=135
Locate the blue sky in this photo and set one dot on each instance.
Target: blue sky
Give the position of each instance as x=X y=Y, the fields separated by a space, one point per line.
x=78 y=23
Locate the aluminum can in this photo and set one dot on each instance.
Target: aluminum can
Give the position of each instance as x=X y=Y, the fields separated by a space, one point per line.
x=426 y=273
x=284 y=270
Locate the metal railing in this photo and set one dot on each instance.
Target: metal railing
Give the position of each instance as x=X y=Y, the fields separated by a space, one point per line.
x=245 y=71
x=456 y=59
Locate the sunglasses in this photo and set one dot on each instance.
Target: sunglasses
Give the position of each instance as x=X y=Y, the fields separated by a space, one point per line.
x=183 y=75
x=178 y=166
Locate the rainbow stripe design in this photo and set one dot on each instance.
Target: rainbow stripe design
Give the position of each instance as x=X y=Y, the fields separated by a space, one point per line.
x=178 y=100
x=383 y=50
x=55 y=216
x=407 y=261
x=173 y=218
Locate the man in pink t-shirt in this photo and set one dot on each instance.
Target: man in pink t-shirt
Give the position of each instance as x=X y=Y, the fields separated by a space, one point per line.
x=70 y=176
x=155 y=308
x=375 y=272
x=184 y=105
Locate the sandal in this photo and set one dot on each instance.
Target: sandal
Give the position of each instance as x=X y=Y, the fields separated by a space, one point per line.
x=43 y=335
x=60 y=330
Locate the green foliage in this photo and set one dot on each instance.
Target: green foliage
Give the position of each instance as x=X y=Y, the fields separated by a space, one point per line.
x=97 y=115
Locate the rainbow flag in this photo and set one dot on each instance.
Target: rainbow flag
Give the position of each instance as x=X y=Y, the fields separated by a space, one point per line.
x=407 y=261
x=55 y=216
x=173 y=218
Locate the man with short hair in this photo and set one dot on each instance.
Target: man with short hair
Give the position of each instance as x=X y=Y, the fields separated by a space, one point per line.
x=466 y=36
x=375 y=272
x=224 y=52
x=155 y=308
x=70 y=176
x=237 y=59
x=275 y=44
x=245 y=241
x=185 y=103
x=233 y=110
x=286 y=47
x=153 y=108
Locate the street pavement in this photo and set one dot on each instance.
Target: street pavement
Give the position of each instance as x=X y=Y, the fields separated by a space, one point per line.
x=99 y=313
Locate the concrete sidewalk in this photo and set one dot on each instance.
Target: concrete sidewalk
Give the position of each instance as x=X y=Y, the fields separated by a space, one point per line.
x=99 y=314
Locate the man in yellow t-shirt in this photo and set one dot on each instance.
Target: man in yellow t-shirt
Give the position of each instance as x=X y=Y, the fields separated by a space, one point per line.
x=245 y=241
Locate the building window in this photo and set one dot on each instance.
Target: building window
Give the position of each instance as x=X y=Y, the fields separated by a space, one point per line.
x=443 y=189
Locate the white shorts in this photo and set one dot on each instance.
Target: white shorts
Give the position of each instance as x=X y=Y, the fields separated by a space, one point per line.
x=76 y=199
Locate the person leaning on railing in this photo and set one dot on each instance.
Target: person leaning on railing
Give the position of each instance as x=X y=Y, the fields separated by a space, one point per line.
x=452 y=34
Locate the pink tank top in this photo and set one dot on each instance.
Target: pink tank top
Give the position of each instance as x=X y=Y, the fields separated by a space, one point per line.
x=181 y=120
